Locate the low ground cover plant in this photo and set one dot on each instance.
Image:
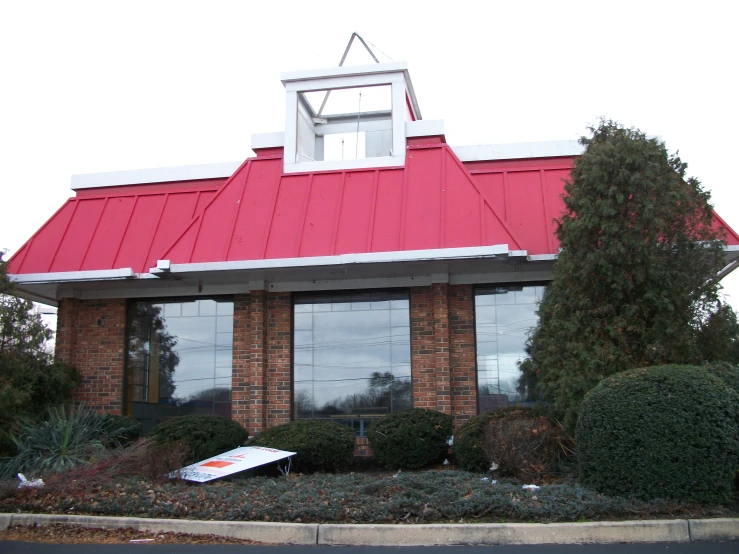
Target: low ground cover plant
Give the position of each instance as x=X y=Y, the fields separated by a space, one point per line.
x=204 y=436
x=320 y=445
x=410 y=439
x=660 y=432
x=410 y=497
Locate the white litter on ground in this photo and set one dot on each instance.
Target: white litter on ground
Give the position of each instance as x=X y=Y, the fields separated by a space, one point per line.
x=36 y=483
x=531 y=487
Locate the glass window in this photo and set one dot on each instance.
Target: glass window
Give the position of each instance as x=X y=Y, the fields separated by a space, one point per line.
x=351 y=357
x=179 y=359
x=504 y=317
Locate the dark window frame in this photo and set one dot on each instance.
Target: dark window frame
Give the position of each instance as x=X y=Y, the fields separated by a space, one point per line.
x=479 y=288
x=342 y=292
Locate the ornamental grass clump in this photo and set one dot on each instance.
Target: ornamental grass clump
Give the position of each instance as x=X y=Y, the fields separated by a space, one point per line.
x=66 y=438
x=204 y=435
x=410 y=439
x=524 y=444
x=321 y=446
x=660 y=432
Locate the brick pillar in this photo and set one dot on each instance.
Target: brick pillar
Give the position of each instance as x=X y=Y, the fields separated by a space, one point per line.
x=462 y=352
x=279 y=361
x=423 y=360
x=66 y=330
x=257 y=369
x=240 y=389
x=441 y=348
x=92 y=336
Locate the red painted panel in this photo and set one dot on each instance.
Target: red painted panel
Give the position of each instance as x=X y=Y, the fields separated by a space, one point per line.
x=218 y=221
x=491 y=185
x=139 y=232
x=257 y=207
x=181 y=251
x=284 y=236
x=109 y=233
x=387 y=211
x=356 y=213
x=564 y=162
x=320 y=220
x=151 y=188
x=423 y=202
x=526 y=217
x=171 y=225
x=206 y=197
x=16 y=260
x=43 y=246
x=74 y=242
x=553 y=189
x=462 y=214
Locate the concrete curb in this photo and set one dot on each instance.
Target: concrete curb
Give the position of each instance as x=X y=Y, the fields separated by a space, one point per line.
x=281 y=533
x=675 y=530
x=505 y=533
x=721 y=529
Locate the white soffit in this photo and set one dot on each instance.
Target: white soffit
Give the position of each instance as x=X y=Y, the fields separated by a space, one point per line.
x=520 y=150
x=154 y=175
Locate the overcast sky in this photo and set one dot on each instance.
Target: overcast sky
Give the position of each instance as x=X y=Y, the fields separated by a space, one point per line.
x=103 y=86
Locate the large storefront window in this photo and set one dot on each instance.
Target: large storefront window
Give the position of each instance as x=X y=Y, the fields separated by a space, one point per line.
x=179 y=359
x=352 y=356
x=504 y=317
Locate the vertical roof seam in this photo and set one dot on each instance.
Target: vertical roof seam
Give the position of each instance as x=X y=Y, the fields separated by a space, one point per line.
x=94 y=232
x=64 y=234
x=125 y=230
x=337 y=222
x=156 y=228
x=442 y=202
x=230 y=237
x=547 y=221
x=373 y=215
x=304 y=216
x=272 y=217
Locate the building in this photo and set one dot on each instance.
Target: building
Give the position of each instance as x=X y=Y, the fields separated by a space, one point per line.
x=356 y=265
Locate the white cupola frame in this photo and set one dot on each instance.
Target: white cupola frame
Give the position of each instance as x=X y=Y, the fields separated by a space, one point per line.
x=379 y=126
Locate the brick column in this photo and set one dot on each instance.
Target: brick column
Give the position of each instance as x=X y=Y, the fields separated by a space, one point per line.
x=257 y=354
x=423 y=360
x=240 y=389
x=462 y=352
x=441 y=348
x=279 y=359
x=91 y=335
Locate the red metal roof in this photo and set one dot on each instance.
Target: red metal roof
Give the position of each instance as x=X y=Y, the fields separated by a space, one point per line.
x=435 y=201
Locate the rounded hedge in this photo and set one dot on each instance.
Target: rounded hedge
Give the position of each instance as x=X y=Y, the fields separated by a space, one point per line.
x=411 y=438
x=728 y=373
x=320 y=445
x=660 y=432
x=469 y=440
x=205 y=435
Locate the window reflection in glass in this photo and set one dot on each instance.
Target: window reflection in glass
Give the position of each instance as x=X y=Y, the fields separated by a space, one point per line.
x=504 y=317
x=179 y=359
x=352 y=356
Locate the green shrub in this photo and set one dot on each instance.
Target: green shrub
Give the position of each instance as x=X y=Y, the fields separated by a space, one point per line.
x=469 y=443
x=205 y=435
x=320 y=445
x=728 y=373
x=65 y=439
x=411 y=438
x=526 y=445
x=130 y=429
x=660 y=432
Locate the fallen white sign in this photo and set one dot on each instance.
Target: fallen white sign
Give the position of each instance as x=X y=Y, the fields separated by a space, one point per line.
x=233 y=461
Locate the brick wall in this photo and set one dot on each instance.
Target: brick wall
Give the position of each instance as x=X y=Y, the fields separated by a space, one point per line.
x=241 y=378
x=91 y=335
x=279 y=358
x=462 y=352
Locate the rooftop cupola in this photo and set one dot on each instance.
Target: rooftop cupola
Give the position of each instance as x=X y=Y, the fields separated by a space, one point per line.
x=348 y=116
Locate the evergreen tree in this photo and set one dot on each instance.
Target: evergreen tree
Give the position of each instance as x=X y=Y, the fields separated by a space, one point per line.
x=634 y=273
x=717 y=337
x=30 y=379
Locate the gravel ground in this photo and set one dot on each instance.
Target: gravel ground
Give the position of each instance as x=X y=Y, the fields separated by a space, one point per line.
x=75 y=534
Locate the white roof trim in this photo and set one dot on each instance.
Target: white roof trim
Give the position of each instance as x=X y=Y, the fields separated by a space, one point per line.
x=424 y=128
x=154 y=175
x=499 y=250
x=521 y=150
x=73 y=276
x=343 y=71
x=268 y=140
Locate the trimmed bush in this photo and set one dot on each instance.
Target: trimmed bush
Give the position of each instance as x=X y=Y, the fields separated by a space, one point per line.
x=411 y=438
x=526 y=445
x=469 y=440
x=320 y=445
x=204 y=435
x=660 y=432
x=725 y=371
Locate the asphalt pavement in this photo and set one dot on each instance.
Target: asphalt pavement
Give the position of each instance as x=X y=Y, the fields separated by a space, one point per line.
x=726 y=547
